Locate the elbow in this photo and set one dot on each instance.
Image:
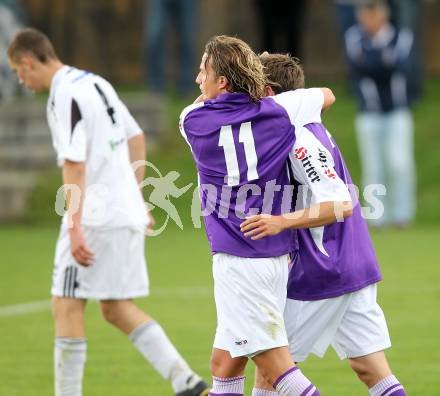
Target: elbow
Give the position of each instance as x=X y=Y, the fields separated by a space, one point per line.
x=78 y=168
x=137 y=140
x=332 y=97
x=329 y=98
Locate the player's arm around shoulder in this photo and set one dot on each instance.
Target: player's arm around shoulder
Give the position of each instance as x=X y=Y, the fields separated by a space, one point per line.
x=74 y=174
x=304 y=106
x=313 y=168
x=318 y=215
x=328 y=97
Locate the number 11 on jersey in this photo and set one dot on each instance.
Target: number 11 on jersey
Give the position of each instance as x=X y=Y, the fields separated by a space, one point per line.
x=227 y=142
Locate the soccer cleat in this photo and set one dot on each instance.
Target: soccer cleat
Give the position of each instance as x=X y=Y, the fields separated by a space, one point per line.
x=200 y=388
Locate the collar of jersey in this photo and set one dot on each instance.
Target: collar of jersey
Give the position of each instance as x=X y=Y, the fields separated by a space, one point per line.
x=236 y=97
x=57 y=77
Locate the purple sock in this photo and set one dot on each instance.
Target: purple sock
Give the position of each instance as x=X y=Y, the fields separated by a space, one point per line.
x=227 y=386
x=389 y=386
x=294 y=383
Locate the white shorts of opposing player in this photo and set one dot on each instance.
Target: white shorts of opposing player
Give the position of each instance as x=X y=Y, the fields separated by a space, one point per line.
x=250 y=295
x=119 y=271
x=353 y=324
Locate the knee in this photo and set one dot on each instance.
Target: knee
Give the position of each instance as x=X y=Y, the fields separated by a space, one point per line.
x=109 y=312
x=363 y=371
x=227 y=368
x=66 y=309
x=215 y=365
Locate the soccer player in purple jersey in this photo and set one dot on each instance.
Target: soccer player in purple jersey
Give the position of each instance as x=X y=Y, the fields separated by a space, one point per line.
x=240 y=142
x=333 y=280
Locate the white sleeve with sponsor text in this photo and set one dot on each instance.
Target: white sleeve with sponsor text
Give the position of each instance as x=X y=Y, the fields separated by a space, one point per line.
x=68 y=128
x=303 y=106
x=313 y=167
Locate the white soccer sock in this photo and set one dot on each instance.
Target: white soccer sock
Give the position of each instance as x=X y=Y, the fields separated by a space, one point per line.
x=294 y=383
x=228 y=386
x=388 y=386
x=152 y=342
x=263 y=392
x=70 y=359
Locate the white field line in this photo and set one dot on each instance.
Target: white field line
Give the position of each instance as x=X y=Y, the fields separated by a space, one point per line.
x=44 y=305
x=23 y=309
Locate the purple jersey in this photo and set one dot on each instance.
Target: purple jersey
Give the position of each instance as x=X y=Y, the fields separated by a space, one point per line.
x=240 y=149
x=338 y=258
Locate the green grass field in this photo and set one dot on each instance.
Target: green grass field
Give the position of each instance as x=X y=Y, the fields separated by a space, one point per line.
x=181 y=300
x=181 y=284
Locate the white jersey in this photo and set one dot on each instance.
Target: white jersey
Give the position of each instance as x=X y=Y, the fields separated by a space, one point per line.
x=89 y=123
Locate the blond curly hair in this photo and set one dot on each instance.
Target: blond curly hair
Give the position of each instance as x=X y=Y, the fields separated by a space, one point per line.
x=234 y=59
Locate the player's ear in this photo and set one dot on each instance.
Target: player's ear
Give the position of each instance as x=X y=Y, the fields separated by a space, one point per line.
x=269 y=91
x=223 y=82
x=27 y=62
x=12 y=64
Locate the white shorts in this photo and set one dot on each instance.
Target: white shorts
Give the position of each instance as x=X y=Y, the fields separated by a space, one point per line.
x=250 y=295
x=353 y=324
x=118 y=273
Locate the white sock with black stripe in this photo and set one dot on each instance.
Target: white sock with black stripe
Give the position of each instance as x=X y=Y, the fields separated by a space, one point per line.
x=70 y=359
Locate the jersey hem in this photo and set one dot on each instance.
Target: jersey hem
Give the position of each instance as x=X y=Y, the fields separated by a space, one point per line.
x=333 y=294
x=257 y=349
x=353 y=354
x=256 y=255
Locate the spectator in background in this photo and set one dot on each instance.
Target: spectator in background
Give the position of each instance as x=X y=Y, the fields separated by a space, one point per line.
x=182 y=15
x=379 y=59
x=10 y=22
x=282 y=24
x=405 y=14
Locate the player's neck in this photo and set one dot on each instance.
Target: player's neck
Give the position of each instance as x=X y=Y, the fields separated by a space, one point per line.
x=223 y=91
x=51 y=69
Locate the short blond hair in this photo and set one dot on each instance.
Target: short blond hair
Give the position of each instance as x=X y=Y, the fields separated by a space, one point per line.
x=234 y=59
